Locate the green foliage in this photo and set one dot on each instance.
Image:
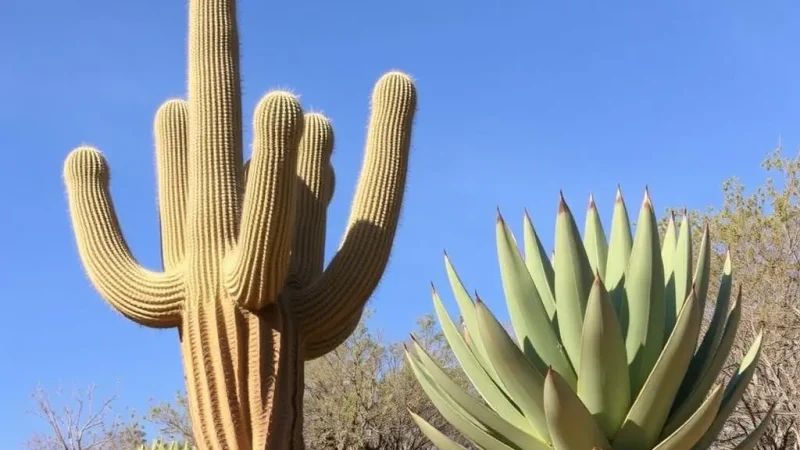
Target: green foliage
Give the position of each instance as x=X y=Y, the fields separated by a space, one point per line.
x=606 y=352
x=158 y=445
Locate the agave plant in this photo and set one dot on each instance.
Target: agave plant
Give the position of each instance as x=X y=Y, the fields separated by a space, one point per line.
x=158 y=445
x=606 y=352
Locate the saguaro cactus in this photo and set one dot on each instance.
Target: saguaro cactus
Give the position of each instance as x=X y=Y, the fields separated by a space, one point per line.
x=242 y=244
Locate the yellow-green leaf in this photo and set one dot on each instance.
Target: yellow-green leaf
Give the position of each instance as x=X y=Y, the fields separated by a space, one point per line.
x=467 y=308
x=522 y=380
x=734 y=391
x=490 y=389
x=535 y=334
x=682 y=274
x=540 y=267
x=594 y=240
x=436 y=437
x=571 y=425
x=603 y=382
x=644 y=296
x=573 y=279
x=668 y=247
x=454 y=413
x=712 y=366
x=475 y=410
x=720 y=324
x=649 y=412
x=693 y=429
x=619 y=251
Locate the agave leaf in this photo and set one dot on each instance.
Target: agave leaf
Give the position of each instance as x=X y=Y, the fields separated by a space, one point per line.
x=644 y=288
x=573 y=279
x=712 y=367
x=682 y=275
x=540 y=268
x=749 y=442
x=476 y=411
x=619 y=251
x=703 y=270
x=713 y=337
x=531 y=323
x=571 y=425
x=594 y=240
x=668 y=247
x=489 y=389
x=733 y=392
x=693 y=429
x=467 y=308
x=460 y=418
x=649 y=412
x=436 y=437
x=522 y=380
x=603 y=383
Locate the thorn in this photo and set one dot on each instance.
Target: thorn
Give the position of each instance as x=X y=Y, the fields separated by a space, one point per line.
x=413 y=338
x=499 y=216
x=647 y=201
x=562 y=203
x=433 y=288
x=591 y=201
x=619 y=193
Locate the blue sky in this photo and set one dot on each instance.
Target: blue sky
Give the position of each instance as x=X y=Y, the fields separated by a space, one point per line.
x=516 y=101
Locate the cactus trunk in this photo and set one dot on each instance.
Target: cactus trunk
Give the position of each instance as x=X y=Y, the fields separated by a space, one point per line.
x=244 y=376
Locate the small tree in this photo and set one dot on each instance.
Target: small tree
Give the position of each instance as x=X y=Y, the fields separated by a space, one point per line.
x=84 y=423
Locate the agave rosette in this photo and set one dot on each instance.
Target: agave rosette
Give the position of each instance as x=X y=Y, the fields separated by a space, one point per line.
x=159 y=445
x=606 y=353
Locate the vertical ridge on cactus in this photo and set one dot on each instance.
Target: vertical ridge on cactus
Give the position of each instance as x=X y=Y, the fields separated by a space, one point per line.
x=242 y=245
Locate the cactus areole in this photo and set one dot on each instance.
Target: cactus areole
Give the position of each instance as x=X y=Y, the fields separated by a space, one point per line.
x=243 y=243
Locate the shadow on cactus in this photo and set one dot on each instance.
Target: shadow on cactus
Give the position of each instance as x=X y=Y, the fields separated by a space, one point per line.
x=606 y=353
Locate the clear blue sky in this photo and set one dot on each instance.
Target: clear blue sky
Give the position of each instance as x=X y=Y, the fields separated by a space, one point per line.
x=516 y=101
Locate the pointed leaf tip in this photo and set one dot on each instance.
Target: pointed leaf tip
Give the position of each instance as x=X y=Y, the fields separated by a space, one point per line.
x=591 y=201
x=648 y=202
x=562 y=203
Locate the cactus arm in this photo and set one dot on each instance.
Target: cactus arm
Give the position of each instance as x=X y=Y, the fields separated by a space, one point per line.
x=215 y=159
x=256 y=270
x=171 y=134
x=148 y=298
x=349 y=280
x=313 y=194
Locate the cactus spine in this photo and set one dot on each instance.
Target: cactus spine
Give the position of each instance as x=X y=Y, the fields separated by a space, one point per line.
x=243 y=243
